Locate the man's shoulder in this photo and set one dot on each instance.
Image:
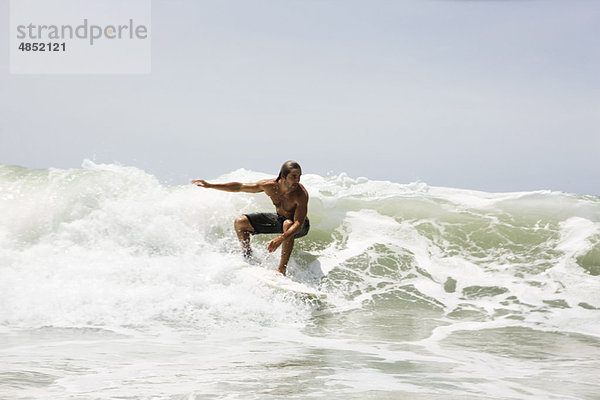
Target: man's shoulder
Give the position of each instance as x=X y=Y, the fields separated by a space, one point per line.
x=302 y=193
x=267 y=182
x=268 y=186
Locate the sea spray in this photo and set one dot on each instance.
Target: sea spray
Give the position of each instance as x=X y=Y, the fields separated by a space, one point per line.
x=432 y=292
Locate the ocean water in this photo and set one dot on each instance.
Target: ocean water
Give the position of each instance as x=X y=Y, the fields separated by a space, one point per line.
x=115 y=286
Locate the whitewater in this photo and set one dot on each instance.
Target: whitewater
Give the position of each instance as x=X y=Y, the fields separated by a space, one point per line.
x=114 y=285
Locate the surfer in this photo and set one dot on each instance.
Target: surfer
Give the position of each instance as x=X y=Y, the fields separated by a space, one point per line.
x=291 y=205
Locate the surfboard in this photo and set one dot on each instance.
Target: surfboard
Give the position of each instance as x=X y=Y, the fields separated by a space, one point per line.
x=280 y=282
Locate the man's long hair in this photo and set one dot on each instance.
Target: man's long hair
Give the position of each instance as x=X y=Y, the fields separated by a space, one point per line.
x=286 y=168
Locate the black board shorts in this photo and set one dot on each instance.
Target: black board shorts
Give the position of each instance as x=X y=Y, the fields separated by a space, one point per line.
x=272 y=223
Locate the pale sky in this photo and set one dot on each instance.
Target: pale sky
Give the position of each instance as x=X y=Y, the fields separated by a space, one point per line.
x=488 y=95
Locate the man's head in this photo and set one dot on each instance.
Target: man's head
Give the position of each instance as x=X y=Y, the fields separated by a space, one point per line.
x=288 y=167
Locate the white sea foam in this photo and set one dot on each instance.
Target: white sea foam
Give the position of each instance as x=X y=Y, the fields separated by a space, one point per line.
x=106 y=257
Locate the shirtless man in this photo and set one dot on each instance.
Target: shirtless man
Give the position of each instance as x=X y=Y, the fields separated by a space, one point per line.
x=291 y=203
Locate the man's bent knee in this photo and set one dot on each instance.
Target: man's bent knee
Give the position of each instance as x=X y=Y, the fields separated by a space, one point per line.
x=287 y=223
x=243 y=223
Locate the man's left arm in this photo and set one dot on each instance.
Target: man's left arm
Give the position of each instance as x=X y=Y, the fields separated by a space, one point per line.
x=299 y=218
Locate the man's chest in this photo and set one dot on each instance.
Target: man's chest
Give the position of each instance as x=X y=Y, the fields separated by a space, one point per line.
x=282 y=200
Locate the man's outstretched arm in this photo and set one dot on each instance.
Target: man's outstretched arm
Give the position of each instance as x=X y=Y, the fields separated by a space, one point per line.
x=231 y=186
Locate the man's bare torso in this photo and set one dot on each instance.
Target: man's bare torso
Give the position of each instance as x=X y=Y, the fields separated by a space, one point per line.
x=285 y=203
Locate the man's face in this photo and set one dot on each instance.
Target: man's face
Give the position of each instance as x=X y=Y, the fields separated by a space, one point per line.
x=293 y=178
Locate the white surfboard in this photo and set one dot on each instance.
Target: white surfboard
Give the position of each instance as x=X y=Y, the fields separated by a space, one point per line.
x=278 y=281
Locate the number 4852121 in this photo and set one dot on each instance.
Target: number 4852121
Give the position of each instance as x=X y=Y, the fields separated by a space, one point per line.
x=42 y=46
